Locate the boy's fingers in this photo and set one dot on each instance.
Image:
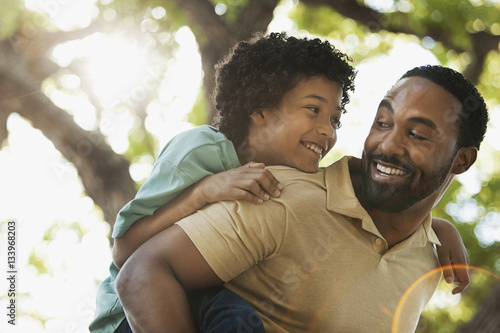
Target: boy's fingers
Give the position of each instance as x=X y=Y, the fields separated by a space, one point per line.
x=274 y=188
x=256 y=172
x=462 y=278
x=460 y=288
x=255 y=165
x=445 y=263
x=253 y=187
x=267 y=182
x=448 y=275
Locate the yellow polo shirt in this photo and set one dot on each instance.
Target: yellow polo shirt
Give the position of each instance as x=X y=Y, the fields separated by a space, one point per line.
x=313 y=260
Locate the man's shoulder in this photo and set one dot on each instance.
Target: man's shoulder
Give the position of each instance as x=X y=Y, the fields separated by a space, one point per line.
x=291 y=176
x=342 y=169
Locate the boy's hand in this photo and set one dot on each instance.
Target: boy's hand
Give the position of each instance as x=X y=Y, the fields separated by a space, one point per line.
x=452 y=255
x=454 y=272
x=250 y=182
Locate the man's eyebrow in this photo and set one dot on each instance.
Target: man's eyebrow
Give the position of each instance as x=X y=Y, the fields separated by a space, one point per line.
x=424 y=121
x=385 y=104
x=421 y=120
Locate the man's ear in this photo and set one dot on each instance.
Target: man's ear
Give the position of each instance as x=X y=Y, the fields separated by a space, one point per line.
x=464 y=159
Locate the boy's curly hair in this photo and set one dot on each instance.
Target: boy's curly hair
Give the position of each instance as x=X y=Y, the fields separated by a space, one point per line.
x=473 y=119
x=257 y=74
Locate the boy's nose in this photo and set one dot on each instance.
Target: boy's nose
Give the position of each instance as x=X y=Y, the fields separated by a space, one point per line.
x=325 y=127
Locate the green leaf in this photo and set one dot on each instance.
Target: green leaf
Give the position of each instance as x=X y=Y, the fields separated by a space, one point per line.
x=11 y=10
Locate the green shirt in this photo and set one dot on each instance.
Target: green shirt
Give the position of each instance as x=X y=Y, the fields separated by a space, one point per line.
x=185 y=160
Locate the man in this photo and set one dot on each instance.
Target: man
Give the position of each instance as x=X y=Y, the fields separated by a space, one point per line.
x=339 y=249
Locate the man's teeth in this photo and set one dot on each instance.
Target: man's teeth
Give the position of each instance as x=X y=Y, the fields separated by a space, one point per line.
x=314 y=148
x=390 y=171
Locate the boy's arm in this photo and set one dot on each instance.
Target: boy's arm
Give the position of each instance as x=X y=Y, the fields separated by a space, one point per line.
x=452 y=254
x=145 y=228
x=202 y=250
x=151 y=283
x=251 y=182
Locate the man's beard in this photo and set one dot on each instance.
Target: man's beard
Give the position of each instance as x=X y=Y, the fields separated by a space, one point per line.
x=394 y=198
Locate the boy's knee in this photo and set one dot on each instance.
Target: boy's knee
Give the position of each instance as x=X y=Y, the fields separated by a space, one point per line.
x=121 y=283
x=124 y=282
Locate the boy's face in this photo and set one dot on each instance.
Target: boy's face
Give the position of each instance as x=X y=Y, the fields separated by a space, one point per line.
x=303 y=128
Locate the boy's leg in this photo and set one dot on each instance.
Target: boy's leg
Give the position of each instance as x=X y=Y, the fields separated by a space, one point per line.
x=219 y=310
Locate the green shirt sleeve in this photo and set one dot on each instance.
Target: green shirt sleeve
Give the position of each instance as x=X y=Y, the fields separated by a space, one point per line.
x=185 y=160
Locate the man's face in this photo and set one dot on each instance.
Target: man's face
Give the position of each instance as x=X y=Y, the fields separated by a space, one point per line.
x=411 y=145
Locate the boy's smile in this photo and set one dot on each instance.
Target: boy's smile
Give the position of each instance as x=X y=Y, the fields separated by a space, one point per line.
x=302 y=130
x=315 y=148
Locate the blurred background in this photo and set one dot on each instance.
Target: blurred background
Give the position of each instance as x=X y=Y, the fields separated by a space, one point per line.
x=91 y=90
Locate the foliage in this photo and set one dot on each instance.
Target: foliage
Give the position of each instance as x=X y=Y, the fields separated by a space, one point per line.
x=484 y=257
x=11 y=10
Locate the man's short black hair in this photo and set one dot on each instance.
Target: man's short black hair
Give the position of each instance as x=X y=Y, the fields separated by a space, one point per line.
x=259 y=72
x=474 y=116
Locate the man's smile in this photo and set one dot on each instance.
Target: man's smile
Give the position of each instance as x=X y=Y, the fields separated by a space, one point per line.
x=387 y=170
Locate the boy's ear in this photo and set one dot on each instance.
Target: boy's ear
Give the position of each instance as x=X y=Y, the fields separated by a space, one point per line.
x=464 y=159
x=258 y=117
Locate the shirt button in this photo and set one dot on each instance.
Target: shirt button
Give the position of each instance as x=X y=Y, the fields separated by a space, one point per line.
x=378 y=241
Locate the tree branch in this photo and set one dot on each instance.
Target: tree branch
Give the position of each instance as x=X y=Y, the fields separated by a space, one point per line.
x=482 y=44
x=103 y=172
x=486 y=319
x=375 y=21
x=255 y=17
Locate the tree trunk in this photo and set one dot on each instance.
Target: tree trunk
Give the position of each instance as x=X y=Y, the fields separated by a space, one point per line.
x=487 y=318
x=104 y=173
x=215 y=38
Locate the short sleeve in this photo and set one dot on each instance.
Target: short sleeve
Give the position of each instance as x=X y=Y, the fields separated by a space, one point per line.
x=164 y=184
x=185 y=160
x=232 y=236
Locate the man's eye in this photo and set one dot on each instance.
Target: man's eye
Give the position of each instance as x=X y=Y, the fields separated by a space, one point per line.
x=313 y=109
x=414 y=135
x=381 y=124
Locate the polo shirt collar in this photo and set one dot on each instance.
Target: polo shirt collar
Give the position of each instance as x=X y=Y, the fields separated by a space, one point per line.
x=342 y=199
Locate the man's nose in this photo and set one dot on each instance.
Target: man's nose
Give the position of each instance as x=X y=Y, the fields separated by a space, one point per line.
x=393 y=143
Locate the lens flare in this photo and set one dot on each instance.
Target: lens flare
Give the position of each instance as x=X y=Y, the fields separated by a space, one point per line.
x=395 y=322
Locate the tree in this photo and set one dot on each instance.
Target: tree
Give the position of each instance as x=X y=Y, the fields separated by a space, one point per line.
x=487 y=319
x=456 y=31
x=24 y=63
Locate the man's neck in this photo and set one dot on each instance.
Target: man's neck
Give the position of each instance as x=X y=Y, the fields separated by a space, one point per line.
x=396 y=227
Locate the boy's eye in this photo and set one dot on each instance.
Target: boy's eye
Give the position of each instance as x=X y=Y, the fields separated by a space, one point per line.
x=336 y=122
x=313 y=109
